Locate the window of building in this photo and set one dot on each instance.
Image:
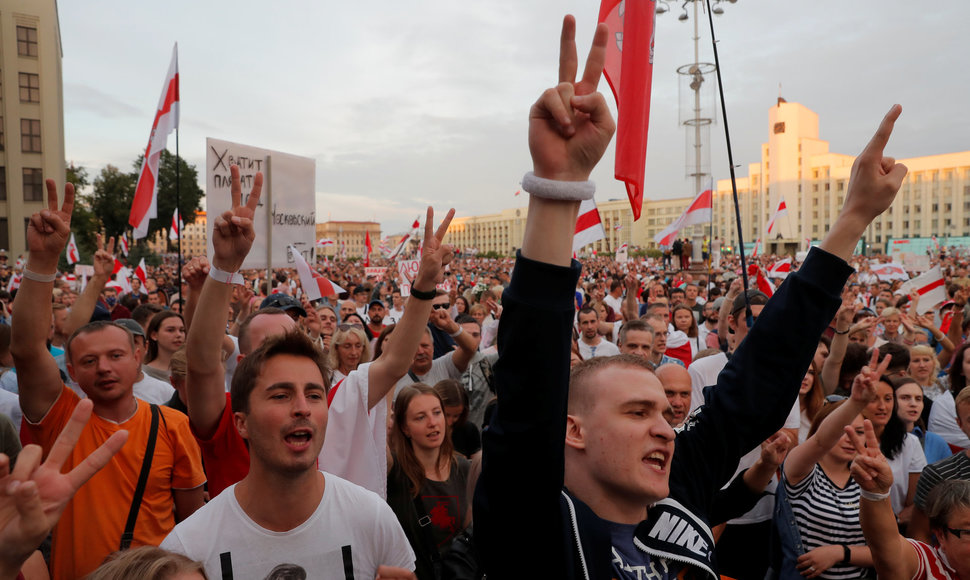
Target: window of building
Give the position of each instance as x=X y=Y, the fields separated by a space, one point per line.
x=936 y=207
x=4 y=233
x=29 y=88
x=30 y=135
x=26 y=41
x=3 y=185
x=905 y=225
x=33 y=184
x=827 y=186
x=1 y=133
x=815 y=188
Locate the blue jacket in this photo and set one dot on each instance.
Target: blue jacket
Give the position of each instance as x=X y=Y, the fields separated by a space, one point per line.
x=526 y=526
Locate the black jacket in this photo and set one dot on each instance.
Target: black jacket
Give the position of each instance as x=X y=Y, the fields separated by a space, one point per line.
x=526 y=527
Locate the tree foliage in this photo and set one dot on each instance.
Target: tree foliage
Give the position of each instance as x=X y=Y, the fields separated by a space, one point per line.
x=189 y=192
x=111 y=201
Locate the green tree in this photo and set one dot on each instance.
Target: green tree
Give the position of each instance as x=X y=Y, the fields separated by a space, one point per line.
x=84 y=222
x=111 y=200
x=189 y=192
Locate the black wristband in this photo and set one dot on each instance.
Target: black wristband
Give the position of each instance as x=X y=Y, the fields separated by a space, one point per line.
x=846 y=554
x=836 y=331
x=423 y=295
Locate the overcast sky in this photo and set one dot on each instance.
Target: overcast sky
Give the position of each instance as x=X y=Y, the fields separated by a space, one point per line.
x=404 y=104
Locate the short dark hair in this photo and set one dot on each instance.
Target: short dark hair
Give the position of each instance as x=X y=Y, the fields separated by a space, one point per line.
x=635 y=324
x=467 y=319
x=243 y=334
x=755 y=298
x=293 y=343
x=144 y=312
x=900 y=354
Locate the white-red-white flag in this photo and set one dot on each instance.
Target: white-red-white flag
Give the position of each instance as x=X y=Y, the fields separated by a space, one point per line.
x=314 y=285
x=73 y=255
x=407 y=238
x=622 y=253
x=144 y=207
x=324 y=242
x=14 y=282
x=698 y=212
x=141 y=272
x=589 y=226
x=929 y=286
x=889 y=271
x=175 y=230
x=779 y=213
x=123 y=243
x=124 y=280
x=780 y=269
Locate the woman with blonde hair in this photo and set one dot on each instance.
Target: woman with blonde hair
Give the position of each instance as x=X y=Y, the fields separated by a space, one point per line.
x=149 y=563
x=924 y=367
x=349 y=348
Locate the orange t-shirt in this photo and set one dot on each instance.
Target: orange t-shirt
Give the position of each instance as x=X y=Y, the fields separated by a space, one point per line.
x=94 y=520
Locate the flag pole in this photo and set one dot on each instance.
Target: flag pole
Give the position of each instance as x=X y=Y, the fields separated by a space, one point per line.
x=178 y=214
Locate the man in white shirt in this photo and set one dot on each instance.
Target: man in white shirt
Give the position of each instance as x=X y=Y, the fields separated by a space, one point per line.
x=591 y=344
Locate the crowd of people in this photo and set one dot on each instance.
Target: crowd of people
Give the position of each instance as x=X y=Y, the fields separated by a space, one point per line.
x=536 y=417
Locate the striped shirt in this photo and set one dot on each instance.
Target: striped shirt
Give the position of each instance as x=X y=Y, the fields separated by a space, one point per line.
x=953 y=467
x=827 y=514
x=932 y=564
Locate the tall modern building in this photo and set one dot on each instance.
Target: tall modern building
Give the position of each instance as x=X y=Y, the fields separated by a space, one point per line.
x=31 y=114
x=796 y=166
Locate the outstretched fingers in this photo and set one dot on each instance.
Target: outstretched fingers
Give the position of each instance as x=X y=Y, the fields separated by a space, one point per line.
x=595 y=61
x=443 y=227
x=881 y=138
x=255 y=192
x=568 y=61
x=98 y=459
x=70 y=434
x=235 y=187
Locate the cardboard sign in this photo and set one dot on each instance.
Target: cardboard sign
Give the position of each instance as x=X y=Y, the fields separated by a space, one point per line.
x=287 y=207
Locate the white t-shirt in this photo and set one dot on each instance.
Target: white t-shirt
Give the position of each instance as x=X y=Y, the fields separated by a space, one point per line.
x=393 y=316
x=350 y=524
x=356 y=443
x=910 y=459
x=604 y=348
x=442 y=368
x=10 y=406
x=943 y=421
x=153 y=390
x=615 y=303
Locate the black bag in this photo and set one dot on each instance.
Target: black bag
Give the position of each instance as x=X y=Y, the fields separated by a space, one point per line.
x=460 y=562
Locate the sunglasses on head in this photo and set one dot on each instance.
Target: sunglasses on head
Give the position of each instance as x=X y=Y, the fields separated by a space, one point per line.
x=346 y=327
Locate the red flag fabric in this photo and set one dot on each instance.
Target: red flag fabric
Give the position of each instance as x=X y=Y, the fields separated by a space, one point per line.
x=141 y=272
x=763 y=284
x=144 y=206
x=780 y=269
x=589 y=226
x=779 y=213
x=118 y=266
x=314 y=285
x=698 y=212
x=369 y=248
x=73 y=256
x=629 y=56
x=124 y=244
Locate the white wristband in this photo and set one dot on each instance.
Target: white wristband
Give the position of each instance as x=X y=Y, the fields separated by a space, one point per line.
x=30 y=275
x=552 y=189
x=873 y=496
x=458 y=332
x=225 y=277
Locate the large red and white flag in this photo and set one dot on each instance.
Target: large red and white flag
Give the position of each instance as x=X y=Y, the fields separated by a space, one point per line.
x=404 y=240
x=780 y=269
x=175 y=230
x=144 y=207
x=698 y=212
x=73 y=255
x=779 y=213
x=589 y=226
x=368 y=247
x=929 y=286
x=762 y=283
x=123 y=243
x=141 y=272
x=314 y=285
x=629 y=56
x=889 y=271
x=324 y=242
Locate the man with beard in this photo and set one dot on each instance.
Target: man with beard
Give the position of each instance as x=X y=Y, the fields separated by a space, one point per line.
x=375 y=317
x=708 y=323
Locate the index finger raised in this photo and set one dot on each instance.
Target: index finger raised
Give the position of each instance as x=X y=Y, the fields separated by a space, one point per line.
x=70 y=434
x=879 y=140
x=235 y=188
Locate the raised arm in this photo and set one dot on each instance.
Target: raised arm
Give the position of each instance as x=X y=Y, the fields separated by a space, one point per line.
x=398 y=353
x=467 y=346
x=893 y=557
x=83 y=307
x=194 y=275
x=802 y=459
x=630 y=304
x=38 y=378
x=34 y=495
x=873 y=184
x=840 y=341
x=232 y=237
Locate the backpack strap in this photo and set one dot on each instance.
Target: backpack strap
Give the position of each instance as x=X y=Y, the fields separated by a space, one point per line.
x=146 y=467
